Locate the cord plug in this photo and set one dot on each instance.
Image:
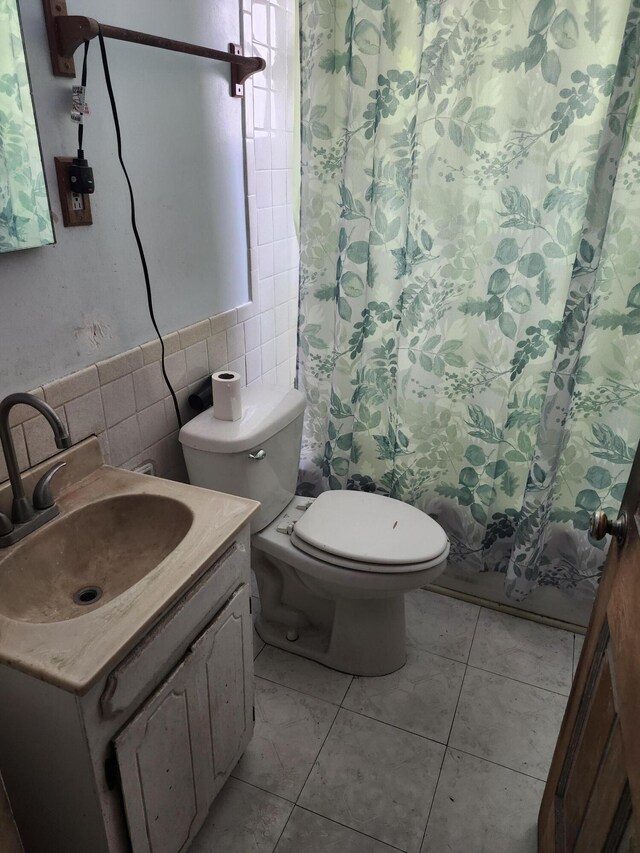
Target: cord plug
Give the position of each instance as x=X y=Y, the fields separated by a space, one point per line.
x=81 y=175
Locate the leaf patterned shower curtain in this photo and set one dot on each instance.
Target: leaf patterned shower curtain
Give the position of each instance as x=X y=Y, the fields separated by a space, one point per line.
x=470 y=235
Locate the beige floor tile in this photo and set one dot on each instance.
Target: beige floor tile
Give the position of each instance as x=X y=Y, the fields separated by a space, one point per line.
x=482 y=808
x=507 y=722
x=290 y=729
x=376 y=779
x=302 y=674
x=524 y=650
x=243 y=819
x=421 y=697
x=310 y=833
x=440 y=624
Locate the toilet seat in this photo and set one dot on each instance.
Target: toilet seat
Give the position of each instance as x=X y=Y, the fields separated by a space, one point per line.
x=370 y=533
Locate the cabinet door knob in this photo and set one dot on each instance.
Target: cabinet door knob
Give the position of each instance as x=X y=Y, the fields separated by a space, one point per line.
x=258 y=455
x=601 y=526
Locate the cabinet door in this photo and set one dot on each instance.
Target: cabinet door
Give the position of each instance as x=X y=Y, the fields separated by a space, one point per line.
x=227 y=671
x=178 y=750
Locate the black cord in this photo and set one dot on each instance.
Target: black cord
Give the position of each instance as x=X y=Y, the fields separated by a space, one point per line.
x=84 y=86
x=134 y=226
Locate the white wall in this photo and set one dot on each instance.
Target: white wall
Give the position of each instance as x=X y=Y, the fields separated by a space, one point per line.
x=67 y=306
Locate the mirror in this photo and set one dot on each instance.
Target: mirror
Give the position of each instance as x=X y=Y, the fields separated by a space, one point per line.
x=25 y=219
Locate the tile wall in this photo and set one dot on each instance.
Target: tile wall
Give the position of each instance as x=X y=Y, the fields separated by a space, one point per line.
x=123 y=399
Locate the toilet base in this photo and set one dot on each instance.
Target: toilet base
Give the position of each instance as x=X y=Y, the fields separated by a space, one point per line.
x=367 y=637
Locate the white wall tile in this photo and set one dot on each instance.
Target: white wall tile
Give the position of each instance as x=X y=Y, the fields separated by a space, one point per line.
x=153 y=424
x=85 y=415
x=281 y=287
x=124 y=441
x=282 y=318
x=281 y=257
x=62 y=390
x=280 y=222
x=148 y=385
x=235 y=342
x=260 y=22
x=223 y=321
x=194 y=333
x=217 y=346
x=197 y=362
x=111 y=369
x=282 y=348
x=252 y=334
x=283 y=374
x=268 y=351
x=239 y=366
x=253 y=365
x=264 y=190
x=39 y=437
x=265 y=226
x=263 y=151
x=261 y=109
x=279 y=158
x=267 y=293
x=265 y=261
x=118 y=400
x=176 y=367
x=267 y=326
x=279 y=186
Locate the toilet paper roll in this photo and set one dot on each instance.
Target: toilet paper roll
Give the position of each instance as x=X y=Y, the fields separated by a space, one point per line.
x=227 y=399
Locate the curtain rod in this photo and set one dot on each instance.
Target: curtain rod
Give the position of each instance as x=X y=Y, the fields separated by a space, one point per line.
x=68 y=32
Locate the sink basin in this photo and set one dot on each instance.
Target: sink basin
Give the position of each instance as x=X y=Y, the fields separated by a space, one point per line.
x=85 y=559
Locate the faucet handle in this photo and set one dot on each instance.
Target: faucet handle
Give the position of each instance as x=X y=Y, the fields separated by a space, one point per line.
x=6 y=525
x=42 y=494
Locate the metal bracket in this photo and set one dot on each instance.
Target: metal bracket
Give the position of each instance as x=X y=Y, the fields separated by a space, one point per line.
x=238 y=75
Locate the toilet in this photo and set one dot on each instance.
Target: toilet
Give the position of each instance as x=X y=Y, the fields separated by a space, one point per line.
x=332 y=571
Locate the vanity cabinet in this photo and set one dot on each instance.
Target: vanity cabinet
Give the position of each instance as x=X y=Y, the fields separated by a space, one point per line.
x=133 y=764
x=178 y=750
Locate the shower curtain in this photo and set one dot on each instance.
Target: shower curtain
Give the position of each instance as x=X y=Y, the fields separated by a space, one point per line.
x=470 y=268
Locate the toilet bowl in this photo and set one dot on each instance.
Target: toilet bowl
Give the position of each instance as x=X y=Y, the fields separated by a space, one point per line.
x=332 y=575
x=332 y=571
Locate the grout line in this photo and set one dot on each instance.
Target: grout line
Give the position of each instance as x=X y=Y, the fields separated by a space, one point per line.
x=258 y=787
x=394 y=726
x=453 y=717
x=315 y=760
x=346 y=826
x=497 y=764
x=294 y=689
x=565 y=696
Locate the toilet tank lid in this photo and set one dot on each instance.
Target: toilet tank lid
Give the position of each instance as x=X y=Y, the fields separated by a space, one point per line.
x=266 y=409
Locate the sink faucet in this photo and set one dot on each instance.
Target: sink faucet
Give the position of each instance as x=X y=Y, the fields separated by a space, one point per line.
x=25 y=514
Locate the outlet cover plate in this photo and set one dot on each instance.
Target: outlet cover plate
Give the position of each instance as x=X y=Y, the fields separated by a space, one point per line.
x=71 y=216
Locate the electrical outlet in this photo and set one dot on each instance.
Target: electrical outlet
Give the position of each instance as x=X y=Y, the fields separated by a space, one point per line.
x=76 y=207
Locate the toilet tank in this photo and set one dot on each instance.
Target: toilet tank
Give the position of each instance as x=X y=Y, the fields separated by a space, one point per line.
x=255 y=457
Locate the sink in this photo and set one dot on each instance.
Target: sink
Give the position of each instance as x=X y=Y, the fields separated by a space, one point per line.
x=84 y=559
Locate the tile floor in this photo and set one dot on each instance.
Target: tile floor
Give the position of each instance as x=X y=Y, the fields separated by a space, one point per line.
x=448 y=754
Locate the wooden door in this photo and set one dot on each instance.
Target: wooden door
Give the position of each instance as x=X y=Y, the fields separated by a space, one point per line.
x=591 y=802
x=177 y=752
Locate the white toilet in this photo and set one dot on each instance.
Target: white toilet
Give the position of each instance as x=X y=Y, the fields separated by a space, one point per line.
x=332 y=571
